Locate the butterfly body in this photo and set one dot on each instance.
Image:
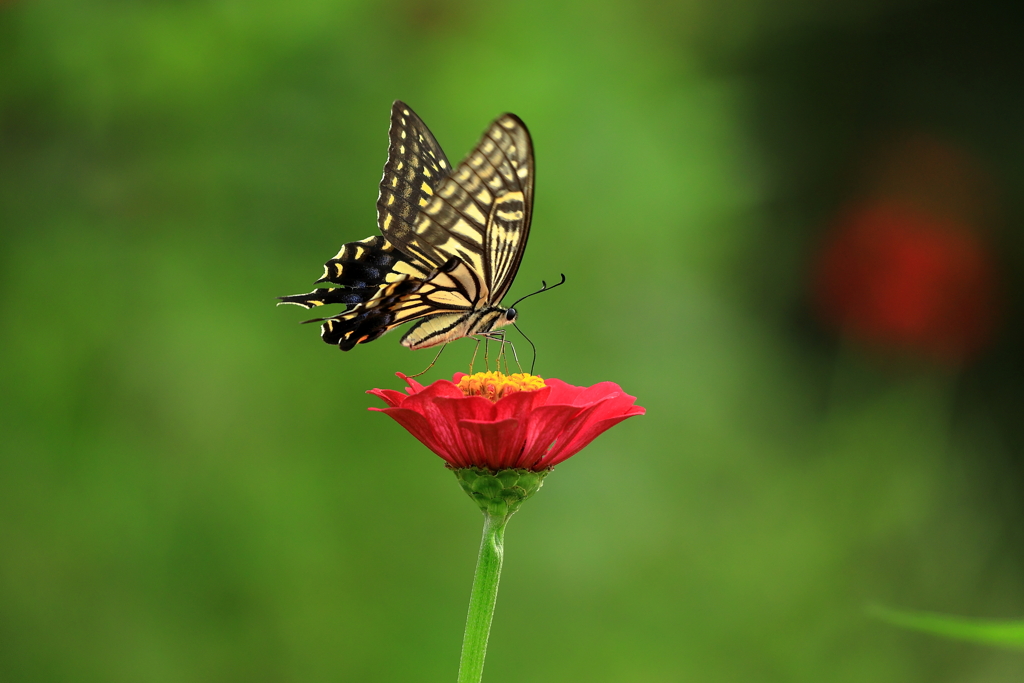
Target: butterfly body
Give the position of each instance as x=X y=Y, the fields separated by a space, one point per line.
x=450 y=245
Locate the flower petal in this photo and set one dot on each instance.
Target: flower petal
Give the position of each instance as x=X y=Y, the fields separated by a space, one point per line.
x=469 y=408
x=442 y=388
x=492 y=443
x=390 y=396
x=414 y=386
x=580 y=431
x=420 y=427
x=520 y=403
x=600 y=391
x=565 y=449
x=542 y=430
x=443 y=414
x=562 y=393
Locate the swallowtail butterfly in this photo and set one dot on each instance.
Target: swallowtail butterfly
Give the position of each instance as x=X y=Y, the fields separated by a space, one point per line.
x=451 y=240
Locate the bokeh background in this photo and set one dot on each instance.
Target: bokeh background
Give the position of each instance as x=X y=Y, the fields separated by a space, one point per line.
x=792 y=229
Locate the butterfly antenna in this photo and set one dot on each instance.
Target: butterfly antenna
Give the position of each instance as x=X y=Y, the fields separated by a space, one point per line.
x=544 y=288
x=533 y=363
x=424 y=370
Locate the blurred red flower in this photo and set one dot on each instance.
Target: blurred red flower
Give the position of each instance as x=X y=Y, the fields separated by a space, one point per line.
x=900 y=278
x=496 y=421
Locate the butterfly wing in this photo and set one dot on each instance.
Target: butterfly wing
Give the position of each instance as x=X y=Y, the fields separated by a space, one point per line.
x=480 y=213
x=416 y=165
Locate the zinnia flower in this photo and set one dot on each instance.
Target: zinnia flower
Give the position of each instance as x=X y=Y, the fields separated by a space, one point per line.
x=501 y=434
x=496 y=422
x=899 y=278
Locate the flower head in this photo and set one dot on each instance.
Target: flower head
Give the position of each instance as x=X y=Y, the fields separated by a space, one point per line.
x=494 y=421
x=899 y=278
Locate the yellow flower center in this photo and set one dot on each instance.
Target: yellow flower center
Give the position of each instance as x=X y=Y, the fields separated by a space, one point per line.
x=494 y=385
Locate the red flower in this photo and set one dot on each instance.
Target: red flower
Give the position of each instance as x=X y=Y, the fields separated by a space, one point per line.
x=897 y=277
x=495 y=421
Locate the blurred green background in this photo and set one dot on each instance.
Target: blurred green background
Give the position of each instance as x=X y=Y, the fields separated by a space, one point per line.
x=191 y=488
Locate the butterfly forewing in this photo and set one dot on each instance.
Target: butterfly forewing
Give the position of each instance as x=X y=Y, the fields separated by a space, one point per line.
x=415 y=166
x=481 y=211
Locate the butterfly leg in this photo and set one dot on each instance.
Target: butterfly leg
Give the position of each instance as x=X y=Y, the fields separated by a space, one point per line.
x=515 y=356
x=487 y=360
x=487 y=337
x=499 y=336
x=473 y=359
x=504 y=355
x=424 y=370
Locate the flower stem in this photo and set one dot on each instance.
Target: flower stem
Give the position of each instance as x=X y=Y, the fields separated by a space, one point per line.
x=483 y=597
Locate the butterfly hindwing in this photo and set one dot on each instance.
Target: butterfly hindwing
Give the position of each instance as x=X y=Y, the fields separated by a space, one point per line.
x=357 y=272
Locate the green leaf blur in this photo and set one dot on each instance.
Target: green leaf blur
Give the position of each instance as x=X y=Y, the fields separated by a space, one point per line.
x=999 y=633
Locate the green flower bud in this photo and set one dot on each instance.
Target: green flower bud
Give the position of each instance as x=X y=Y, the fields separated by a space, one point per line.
x=499 y=494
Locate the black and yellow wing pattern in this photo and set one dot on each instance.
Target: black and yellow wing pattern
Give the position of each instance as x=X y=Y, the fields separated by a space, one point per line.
x=450 y=245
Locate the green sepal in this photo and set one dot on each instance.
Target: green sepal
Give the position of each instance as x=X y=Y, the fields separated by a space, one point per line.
x=499 y=494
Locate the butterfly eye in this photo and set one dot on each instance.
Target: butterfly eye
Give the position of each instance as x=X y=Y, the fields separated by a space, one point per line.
x=510 y=314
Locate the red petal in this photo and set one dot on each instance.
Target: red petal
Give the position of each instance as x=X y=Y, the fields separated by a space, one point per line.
x=581 y=430
x=468 y=408
x=419 y=427
x=591 y=431
x=413 y=387
x=600 y=391
x=493 y=444
x=542 y=429
x=426 y=395
x=520 y=404
x=390 y=396
x=442 y=414
x=562 y=393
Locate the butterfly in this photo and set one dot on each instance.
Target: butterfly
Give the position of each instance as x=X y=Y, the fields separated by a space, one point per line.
x=450 y=243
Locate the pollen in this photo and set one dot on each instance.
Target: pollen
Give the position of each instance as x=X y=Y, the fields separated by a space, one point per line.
x=495 y=385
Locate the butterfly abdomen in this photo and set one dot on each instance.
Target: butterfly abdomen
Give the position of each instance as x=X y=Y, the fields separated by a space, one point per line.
x=441 y=329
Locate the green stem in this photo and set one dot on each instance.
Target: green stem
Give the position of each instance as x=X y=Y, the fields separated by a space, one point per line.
x=482 y=599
